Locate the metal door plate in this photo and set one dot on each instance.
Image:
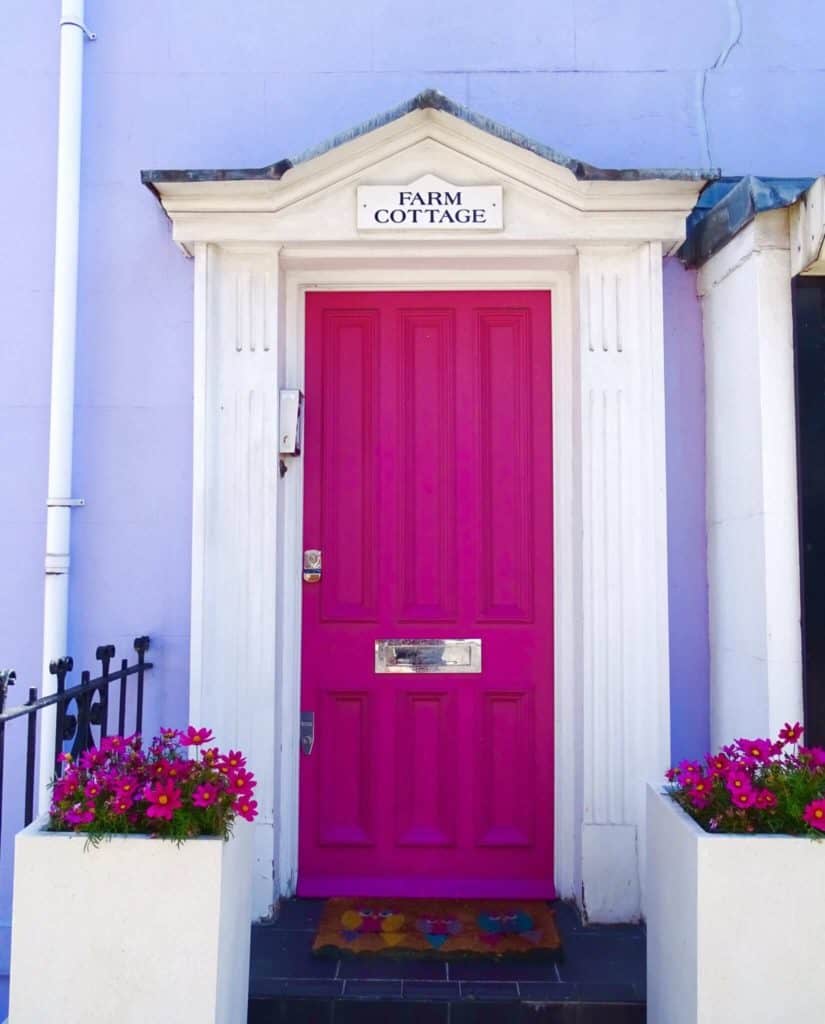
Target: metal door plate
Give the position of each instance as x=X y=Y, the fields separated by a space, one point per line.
x=428 y=656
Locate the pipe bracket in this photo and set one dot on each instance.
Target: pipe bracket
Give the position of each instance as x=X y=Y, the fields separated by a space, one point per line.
x=91 y=36
x=57 y=564
x=65 y=502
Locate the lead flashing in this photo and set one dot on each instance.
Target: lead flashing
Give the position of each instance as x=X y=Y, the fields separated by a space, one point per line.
x=727 y=206
x=429 y=99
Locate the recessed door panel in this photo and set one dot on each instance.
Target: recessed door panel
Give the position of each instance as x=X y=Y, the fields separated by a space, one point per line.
x=505 y=427
x=349 y=498
x=345 y=762
x=505 y=762
x=428 y=482
x=425 y=809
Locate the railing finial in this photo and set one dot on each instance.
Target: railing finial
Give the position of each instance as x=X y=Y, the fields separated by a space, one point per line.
x=8 y=677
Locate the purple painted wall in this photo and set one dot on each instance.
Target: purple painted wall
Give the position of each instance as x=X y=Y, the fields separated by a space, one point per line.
x=209 y=83
x=686 y=529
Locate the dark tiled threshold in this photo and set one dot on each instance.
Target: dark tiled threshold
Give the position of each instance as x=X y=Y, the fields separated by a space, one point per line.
x=601 y=980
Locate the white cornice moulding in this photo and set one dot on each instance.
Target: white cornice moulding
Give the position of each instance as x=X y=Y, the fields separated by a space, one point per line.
x=316 y=199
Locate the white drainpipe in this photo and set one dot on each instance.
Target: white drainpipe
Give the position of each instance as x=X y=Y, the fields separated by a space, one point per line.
x=64 y=329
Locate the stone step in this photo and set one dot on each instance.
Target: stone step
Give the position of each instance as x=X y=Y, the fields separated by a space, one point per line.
x=377 y=1009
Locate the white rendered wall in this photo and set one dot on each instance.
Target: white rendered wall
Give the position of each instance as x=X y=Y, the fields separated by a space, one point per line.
x=753 y=553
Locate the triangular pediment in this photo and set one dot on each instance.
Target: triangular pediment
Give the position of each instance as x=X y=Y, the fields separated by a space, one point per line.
x=545 y=195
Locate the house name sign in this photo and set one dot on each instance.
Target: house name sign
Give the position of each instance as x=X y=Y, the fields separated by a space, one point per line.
x=430 y=203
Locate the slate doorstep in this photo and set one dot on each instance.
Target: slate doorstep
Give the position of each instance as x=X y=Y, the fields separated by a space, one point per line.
x=370 y=1006
x=341 y=1001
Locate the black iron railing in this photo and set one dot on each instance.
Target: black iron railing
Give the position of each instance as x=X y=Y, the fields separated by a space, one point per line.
x=83 y=711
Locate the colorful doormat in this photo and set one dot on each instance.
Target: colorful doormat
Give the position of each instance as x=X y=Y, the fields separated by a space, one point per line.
x=427 y=928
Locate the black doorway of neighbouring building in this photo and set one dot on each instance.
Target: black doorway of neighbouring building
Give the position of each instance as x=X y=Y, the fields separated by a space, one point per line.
x=809 y=347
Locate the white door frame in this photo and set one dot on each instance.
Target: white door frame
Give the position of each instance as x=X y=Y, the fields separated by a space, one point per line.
x=549 y=273
x=612 y=726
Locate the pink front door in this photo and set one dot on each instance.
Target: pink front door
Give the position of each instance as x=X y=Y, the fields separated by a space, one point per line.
x=428 y=491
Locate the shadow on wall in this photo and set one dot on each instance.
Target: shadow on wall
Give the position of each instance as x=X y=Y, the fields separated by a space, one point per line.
x=686 y=517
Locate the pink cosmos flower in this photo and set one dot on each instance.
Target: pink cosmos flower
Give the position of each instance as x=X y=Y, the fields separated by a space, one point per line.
x=80 y=815
x=125 y=785
x=64 y=757
x=689 y=772
x=205 y=795
x=179 y=769
x=121 y=804
x=765 y=799
x=743 y=798
x=92 y=789
x=791 y=733
x=719 y=764
x=756 y=750
x=91 y=759
x=699 y=798
x=247 y=808
x=164 y=799
x=234 y=759
x=112 y=744
x=63 y=789
x=195 y=737
x=672 y=774
x=814 y=815
x=242 y=782
x=815 y=756
x=738 y=782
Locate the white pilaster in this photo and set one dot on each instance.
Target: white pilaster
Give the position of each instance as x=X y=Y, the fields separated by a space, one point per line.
x=625 y=670
x=753 y=545
x=233 y=674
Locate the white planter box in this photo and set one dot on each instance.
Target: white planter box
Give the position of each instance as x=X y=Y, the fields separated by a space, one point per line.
x=133 y=930
x=734 y=924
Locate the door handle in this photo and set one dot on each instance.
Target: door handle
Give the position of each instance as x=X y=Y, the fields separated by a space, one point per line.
x=307 y=732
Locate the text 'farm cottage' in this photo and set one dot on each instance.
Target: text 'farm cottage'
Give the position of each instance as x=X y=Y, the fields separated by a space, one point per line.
x=430 y=203
x=430 y=208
